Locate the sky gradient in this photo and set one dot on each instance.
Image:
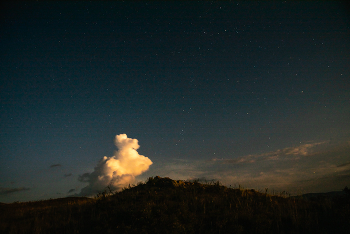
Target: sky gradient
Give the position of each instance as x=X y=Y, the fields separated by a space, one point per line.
x=250 y=93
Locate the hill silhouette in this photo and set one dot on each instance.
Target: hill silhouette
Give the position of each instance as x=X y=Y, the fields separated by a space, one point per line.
x=163 y=205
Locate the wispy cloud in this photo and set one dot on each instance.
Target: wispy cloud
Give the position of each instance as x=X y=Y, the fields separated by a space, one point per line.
x=289 y=153
x=68 y=175
x=344 y=164
x=312 y=167
x=55 y=165
x=5 y=191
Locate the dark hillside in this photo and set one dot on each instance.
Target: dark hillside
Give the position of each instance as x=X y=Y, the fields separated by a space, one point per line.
x=162 y=205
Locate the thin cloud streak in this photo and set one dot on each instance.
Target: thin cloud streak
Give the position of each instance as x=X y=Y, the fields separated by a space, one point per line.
x=289 y=153
x=344 y=164
x=71 y=190
x=5 y=191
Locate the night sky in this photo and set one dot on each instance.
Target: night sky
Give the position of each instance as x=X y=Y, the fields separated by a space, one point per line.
x=250 y=93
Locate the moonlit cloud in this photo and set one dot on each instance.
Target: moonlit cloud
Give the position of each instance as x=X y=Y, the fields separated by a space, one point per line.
x=116 y=171
x=312 y=167
x=289 y=153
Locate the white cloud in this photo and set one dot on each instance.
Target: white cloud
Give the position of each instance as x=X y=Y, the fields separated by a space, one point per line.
x=117 y=171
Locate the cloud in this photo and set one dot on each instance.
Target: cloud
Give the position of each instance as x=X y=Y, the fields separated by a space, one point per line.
x=71 y=190
x=312 y=167
x=116 y=171
x=55 y=165
x=289 y=153
x=344 y=164
x=5 y=191
x=67 y=175
x=317 y=167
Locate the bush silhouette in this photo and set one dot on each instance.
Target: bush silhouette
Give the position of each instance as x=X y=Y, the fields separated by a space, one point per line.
x=163 y=205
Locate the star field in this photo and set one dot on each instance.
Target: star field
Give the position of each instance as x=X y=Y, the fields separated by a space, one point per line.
x=211 y=89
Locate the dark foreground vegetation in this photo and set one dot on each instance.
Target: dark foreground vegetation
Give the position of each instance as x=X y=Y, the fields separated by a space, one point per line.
x=162 y=205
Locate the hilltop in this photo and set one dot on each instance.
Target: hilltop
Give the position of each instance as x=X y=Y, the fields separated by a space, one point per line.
x=163 y=205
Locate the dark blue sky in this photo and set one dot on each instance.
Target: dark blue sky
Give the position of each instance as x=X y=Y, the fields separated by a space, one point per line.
x=194 y=82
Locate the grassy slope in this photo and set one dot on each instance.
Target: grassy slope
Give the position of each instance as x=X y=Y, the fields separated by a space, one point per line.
x=162 y=205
